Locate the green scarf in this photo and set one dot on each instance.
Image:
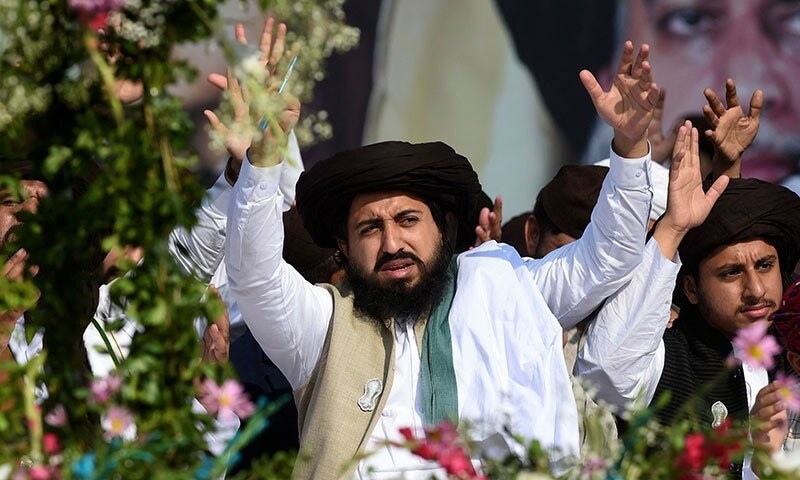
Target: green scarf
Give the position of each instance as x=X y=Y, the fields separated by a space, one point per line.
x=439 y=389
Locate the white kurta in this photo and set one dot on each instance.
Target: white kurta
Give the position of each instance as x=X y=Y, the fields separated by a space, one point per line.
x=623 y=354
x=506 y=319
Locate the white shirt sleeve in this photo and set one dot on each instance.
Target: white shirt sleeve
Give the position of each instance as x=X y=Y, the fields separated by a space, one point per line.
x=578 y=277
x=288 y=316
x=199 y=250
x=290 y=171
x=623 y=354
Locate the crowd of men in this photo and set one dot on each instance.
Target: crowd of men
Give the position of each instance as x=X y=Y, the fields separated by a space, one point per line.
x=378 y=283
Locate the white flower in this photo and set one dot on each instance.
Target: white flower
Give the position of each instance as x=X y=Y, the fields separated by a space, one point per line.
x=787 y=461
x=118 y=422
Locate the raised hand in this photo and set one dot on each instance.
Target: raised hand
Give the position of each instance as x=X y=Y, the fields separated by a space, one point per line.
x=629 y=104
x=272 y=50
x=489 y=223
x=239 y=136
x=732 y=131
x=687 y=204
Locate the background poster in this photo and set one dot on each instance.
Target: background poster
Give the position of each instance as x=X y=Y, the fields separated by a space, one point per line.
x=498 y=79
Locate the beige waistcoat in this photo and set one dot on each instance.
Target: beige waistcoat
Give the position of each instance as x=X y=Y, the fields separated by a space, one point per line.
x=334 y=430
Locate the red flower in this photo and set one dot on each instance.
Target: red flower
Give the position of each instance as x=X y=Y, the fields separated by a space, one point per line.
x=442 y=446
x=693 y=457
x=51 y=443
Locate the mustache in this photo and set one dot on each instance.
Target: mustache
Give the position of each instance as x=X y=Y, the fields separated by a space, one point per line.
x=388 y=257
x=766 y=303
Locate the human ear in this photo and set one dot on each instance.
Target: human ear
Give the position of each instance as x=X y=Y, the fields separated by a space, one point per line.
x=343 y=247
x=690 y=288
x=531 y=235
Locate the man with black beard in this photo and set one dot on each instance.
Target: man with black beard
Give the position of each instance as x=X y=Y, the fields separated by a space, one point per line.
x=399 y=298
x=416 y=335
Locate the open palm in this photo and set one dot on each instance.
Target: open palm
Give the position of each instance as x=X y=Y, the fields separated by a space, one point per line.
x=687 y=204
x=629 y=104
x=733 y=131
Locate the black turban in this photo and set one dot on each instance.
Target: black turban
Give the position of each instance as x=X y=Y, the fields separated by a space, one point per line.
x=570 y=197
x=432 y=171
x=748 y=209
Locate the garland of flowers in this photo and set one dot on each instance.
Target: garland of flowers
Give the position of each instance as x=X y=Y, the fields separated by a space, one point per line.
x=118 y=176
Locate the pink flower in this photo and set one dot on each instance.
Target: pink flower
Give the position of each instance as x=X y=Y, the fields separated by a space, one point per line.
x=226 y=401
x=50 y=443
x=756 y=347
x=788 y=391
x=118 y=422
x=103 y=388
x=57 y=417
x=40 y=473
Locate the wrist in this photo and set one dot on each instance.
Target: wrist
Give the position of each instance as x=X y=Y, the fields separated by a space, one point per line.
x=232 y=169
x=668 y=237
x=627 y=147
x=266 y=157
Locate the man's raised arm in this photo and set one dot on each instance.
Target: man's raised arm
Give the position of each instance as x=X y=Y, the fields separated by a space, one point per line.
x=575 y=279
x=199 y=250
x=288 y=316
x=623 y=354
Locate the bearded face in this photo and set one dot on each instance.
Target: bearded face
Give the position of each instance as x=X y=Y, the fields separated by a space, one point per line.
x=399 y=298
x=396 y=256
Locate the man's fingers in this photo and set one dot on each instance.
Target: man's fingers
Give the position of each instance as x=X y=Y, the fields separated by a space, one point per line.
x=652 y=95
x=265 y=44
x=498 y=212
x=215 y=123
x=218 y=80
x=731 y=97
x=483 y=218
x=278 y=47
x=592 y=86
x=482 y=235
x=626 y=60
x=647 y=73
x=694 y=149
x=756 y=102
x=765 y=412
x=223 y=321
x=239 y=34
x=712 y=117
x=714 y=102
x=680 y=142
x=638 y=69
x=15 y=266
x=719 y=186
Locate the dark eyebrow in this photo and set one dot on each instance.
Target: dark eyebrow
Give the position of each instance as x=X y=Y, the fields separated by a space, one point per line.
x=730 y=266
x=375 y=221
x=767 y=258
x=405 y=213
x=369 y=221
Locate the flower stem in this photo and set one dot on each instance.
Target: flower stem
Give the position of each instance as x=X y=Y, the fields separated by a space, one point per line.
x=106 y=75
